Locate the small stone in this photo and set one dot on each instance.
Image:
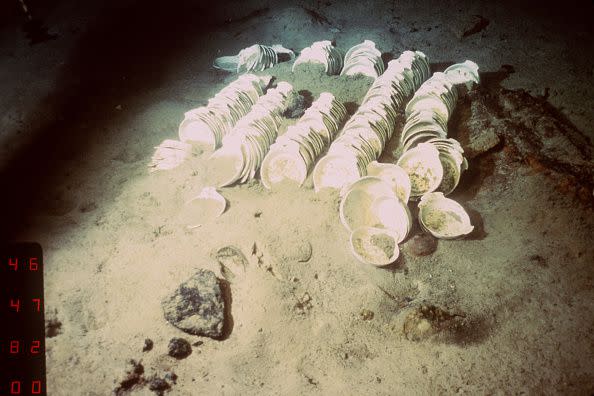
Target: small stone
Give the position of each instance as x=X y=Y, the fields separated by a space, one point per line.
x=197 y=306
x=158 y=385
x=304 y=252
x=171 y=377
x=366 y=314
x=304 y=304
x=148 y=345
x=422 y=245
x=179 y=348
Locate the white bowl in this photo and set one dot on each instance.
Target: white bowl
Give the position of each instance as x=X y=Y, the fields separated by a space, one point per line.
x=357 y=201
x=443 y=217
x=374 y=246
x=392 y=214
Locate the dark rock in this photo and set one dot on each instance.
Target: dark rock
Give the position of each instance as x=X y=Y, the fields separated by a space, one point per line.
x=171 y=377
x=296 y=106
x=179 y=348
x=197 y=306
x=148 y=345
x=158 y=385
x=422 y=245
x=53 y=326
x=483 y=130
x=132 y=377
x=532 y=130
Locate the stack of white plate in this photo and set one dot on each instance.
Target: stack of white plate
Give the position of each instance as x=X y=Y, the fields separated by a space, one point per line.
x=363 y=58
x=209 y=124
x=257 y=57
x=372 y=210
x=464 y=73
x=432 y=161
x=322 y=52
x=294 y=153
x=245 y=146
x=365 y=134
x=452 y=162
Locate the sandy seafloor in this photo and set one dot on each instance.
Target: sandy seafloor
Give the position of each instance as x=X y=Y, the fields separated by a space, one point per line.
x=92 y=104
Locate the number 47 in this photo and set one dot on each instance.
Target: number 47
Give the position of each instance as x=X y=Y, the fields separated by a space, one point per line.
x=16 y=304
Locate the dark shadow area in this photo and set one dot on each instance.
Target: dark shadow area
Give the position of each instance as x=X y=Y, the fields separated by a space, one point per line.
x=439 y=66
x=469 y=330
x=387 y=57
x=493 y=80
x=128 y=50
x=351 y=107
x=36 y=31
x=478 y=233
x=307 y=98
x=228 y=324
x=317 y=17
x=398 y=266
x=474 y=177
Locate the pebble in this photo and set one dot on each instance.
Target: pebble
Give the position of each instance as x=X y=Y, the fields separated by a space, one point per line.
x=158 y=385
x=366 y=314
x=179 y=348
x=148 y=345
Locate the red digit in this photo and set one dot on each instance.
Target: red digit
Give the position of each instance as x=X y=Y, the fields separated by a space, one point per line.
x=14 y=346
x=33 y=265
x=15 y=388
x=38 y=301
x=36 y=387
x=16 y=304
x=35 y=345
x=13 y=263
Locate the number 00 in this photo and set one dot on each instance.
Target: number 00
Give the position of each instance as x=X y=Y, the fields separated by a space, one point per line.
x=15 y=387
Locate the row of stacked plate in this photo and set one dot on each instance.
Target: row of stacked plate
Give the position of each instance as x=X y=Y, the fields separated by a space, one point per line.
x=365 y=134
x=208 y=125
x=256 y=57
x=321 y=52
x=293 y=154
x=365 y=59
x=433 y=161
x=374 y=208
x=246 y=145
